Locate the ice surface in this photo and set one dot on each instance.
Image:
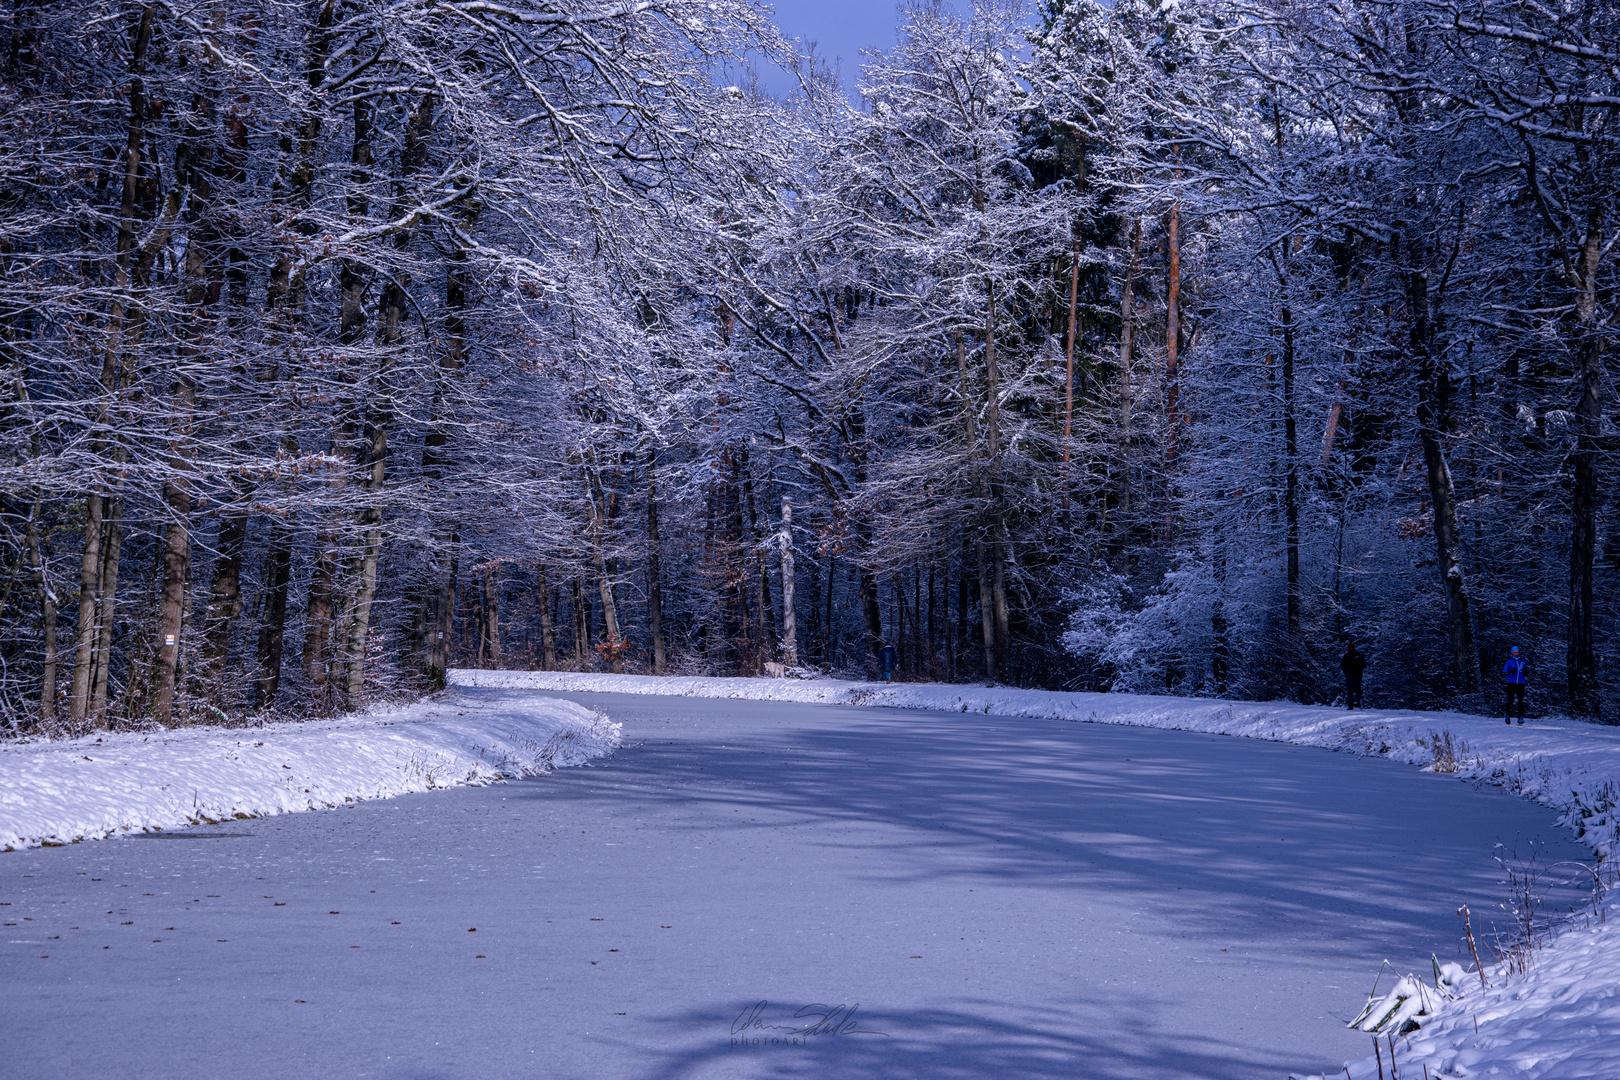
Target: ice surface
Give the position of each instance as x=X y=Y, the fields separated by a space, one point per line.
x=1003 y=898
x=1571 y=766
x=1561 y=1019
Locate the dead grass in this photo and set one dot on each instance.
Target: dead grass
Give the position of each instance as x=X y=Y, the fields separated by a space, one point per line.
x=1450 y=753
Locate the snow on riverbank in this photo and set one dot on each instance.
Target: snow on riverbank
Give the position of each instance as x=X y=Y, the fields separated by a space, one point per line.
x=1558 y=1021
x=94 y=787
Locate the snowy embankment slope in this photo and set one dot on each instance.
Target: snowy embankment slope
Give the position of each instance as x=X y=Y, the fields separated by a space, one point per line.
x=1558 y=1021
x=100 y=786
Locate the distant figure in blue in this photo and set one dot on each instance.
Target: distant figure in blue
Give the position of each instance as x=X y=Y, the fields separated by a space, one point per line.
x=887 y=658
x=1353 y=664
x=1514 y=674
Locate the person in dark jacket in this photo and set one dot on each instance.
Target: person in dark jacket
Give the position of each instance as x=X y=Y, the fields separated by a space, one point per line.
x=1515 y=673
x=1353 y=664
x=888 y=657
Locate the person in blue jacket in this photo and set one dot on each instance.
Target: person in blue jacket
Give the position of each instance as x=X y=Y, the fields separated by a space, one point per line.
x=1514 y=674
x=888 y=656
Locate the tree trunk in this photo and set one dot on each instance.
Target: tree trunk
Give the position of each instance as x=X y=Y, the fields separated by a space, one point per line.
x=1127 y=357
x=604 y=575
x=225 y=596
x=932 y=671
x=655 y=577
x=441 y=600
x=352 y=283
x=815 y=635
x=85 y=652
x=492 y=621
x=918 y=644
x=1581 y=660
x=176 y=560
x=872 y=620
x=89 y=580
x=376 y=454
x=998 y=509
x=1172 y=365
x=867 y=590
x=319 y=612
x=827 y=620
x=897 y=625
x=273 y=619
x=986 y=604
x=548 y=629
x=107 y=612
x=1220 y=654
x=790 y=630
x=762 y=585
x=1433 y=396
x=986 y=612
x=998 y=593
x=1068 y=378
x=1291 y=469
x=582 y=627
x=47 y=601
x=1172 y=397
x=374 y=446
x=441 y=592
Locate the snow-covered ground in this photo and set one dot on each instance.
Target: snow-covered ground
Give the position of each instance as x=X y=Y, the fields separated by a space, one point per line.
x=1560 y=1018
x=111 y=784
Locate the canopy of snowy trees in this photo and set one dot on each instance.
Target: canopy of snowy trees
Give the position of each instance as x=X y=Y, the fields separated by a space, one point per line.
x=1137 y=346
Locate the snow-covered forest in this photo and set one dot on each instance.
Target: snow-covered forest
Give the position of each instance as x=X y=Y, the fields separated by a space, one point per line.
x=1143 y=346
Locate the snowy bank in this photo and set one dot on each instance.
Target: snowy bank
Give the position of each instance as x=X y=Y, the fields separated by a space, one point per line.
x=1558 y=1021
x=100 y=786
x=1552 y=1014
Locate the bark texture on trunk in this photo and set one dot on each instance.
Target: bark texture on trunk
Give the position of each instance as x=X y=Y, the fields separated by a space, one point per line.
x=89 y=581
x=762 y=580
x=273 y=619
x=225 y=595
x=582 y=627
x=85 y=652
x=999 y=552
x=171 y=606
x=440 y=594
x=1068 y=350
x=1172 y=361
x=1127 y=358
x=47 y=602
x=107 y=607
x=790 y=629
x=655 y=577
x=1434 y=389
x=375 y=457
x=1581 y=662
x=1290 y=465
x=596 y=499
x=490 y=632
x=548 y=628
x=872 y=620
x=986 y=613
x=319 y=615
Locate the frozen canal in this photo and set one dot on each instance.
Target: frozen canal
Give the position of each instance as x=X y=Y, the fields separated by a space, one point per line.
x=1001 y=898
